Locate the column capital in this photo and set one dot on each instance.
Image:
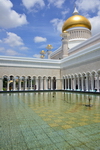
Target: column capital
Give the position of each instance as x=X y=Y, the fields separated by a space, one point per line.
x=97 y=75
x=64 y=41
x=87 y=75
x=64 y=35
x=69 y=77
x=75 y=76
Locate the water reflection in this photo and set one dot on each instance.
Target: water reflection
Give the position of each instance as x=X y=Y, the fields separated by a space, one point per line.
x=55 y=108
x=58 y=100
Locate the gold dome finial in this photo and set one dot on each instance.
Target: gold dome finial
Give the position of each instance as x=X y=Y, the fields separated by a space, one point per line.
x=75 y=12
x=49 y=46
x=76 y=21
x=42 y=52
x=42 y=56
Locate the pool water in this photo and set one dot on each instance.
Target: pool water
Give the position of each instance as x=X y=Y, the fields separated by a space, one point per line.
x=49 y=121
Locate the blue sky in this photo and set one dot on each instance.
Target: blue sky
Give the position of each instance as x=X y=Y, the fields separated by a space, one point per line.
x=28 y=26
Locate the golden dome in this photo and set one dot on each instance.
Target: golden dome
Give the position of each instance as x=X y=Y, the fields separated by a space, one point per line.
x=76 y=21
x=49 y=46
x=42 y=56
x=42 y=52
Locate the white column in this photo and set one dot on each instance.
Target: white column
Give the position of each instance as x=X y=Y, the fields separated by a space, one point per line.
x=51 y=84
x=36 y=83
x=92 y=82
x=8 y=84
x=28 y=83
x=45 y=83
x=87 y=82
x=31 y=84
x=65 y=44
x=74 y=83
x=56 y=84
x=1 y=84
x=19 y=84
x=14 y=85
x=82 y=78
x=71 y=83
x=97 y=82
x=25 y=83
x=68 y=83
x=41 y=83
x=65 y=84
x=65 y=48
x=78 y=83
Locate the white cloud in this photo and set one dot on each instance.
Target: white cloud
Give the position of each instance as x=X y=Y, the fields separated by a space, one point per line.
x=42 y=46
x=36 y=55
x=65 y=12
x=13 y=39
x=33 y=3
x=38 y=39
x=86 y=8
x=24 y=48
x=85 y=5
x=57 y=3
x=57 y=23
x=12 y=52
x=95 y=22
x=9 y=52
x=2 y=49
x=8 y=17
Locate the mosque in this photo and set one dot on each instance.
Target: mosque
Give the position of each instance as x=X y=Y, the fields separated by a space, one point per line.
x=73 y=66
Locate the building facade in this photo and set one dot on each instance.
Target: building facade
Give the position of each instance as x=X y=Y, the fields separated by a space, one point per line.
x=73 y=66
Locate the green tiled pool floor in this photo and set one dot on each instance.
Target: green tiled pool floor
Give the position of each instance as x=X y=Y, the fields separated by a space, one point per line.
x=49 y=121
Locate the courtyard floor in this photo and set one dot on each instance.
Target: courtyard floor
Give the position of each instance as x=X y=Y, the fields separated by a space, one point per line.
x=49 y=121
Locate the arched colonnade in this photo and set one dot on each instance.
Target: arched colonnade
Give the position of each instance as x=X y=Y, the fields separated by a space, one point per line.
x=86 y=81
x=17 y=83
x=89 y=81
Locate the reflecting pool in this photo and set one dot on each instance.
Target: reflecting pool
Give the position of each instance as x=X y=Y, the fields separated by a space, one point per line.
x=49 y=121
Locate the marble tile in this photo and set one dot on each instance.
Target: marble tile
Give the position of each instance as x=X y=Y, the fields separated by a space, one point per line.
x=43 y=123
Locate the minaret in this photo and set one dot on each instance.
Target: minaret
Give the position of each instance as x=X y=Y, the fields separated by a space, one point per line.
x=65 y=35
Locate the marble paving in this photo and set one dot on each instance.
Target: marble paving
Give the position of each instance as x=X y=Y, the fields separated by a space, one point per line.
x=49 y=121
